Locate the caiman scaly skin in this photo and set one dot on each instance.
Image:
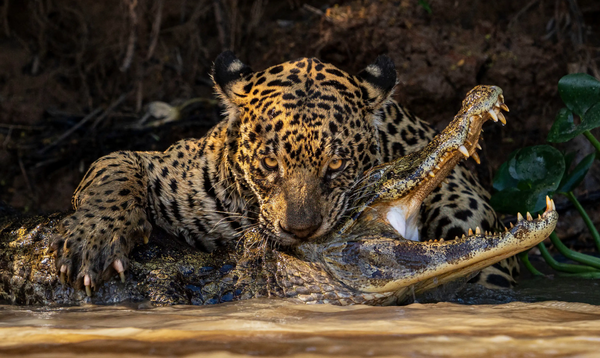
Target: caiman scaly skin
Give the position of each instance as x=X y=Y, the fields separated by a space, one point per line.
x=366 y=260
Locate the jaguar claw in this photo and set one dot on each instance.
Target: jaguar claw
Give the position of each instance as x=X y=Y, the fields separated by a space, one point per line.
x=63 y=271
x=87 y=284
x=118 y=265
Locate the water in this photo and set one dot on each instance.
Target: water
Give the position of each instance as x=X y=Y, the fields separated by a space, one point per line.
x=278 y=328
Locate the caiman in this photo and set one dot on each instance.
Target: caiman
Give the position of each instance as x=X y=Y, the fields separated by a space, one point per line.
x=366 y=260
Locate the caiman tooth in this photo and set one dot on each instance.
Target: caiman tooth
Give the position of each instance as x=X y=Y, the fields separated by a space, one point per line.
x=505 y=229
x=478 y=146
x=501 y=118
x=501 y=97
x=548 y=205
x=477 y=230
x=529 y=218
x=511 y=225
x=464 y=151
x=504 y=107
x=432 y=174
x=470 y=232
x=469 y=142
x=476 y=158
x=553 y=206
x=539 y=216
x=519 y=217
x=437 y=167
x=493 y=115
x=441 y=239
x=456 y=238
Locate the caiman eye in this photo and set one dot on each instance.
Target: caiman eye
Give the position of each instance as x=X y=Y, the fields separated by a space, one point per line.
x=336 y=165
x=270 y=163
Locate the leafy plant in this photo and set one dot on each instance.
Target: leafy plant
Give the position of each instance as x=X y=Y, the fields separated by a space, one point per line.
x=531 y=173
x=425 y=5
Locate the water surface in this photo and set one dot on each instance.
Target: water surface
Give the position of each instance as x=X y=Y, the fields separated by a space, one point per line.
x=277 y=328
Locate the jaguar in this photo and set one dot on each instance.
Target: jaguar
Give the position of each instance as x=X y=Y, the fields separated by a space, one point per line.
x=294 y=144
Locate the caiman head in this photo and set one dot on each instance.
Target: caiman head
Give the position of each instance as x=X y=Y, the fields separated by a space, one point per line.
x=374 y=258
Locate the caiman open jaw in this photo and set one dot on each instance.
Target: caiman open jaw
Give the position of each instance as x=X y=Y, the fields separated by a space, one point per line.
x=377 y=253
x=401 y=186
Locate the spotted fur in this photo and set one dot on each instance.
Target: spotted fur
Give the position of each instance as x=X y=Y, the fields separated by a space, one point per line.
x=295 y=140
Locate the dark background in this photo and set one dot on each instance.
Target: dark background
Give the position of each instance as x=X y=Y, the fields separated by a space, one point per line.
x=61 y=60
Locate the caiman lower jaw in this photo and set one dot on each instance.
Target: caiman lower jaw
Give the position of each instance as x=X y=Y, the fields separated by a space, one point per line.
x=471 y=253
x=379 y=265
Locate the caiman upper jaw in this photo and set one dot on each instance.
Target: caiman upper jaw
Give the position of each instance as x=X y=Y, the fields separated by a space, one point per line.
x=401 y=186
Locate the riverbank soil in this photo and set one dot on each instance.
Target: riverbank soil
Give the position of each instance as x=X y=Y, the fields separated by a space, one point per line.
x=78 y=78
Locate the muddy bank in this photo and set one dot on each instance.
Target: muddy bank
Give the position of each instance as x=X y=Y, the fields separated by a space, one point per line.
x=62 y=60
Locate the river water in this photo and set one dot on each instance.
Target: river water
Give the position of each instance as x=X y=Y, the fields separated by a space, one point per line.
x=566 y=322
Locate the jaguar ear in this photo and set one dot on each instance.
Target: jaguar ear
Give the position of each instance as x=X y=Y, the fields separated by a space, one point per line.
x=227 y=71
x=380 y=78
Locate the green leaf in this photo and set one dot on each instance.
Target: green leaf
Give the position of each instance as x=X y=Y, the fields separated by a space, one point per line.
x=573 y=179
x=581 y=95
x=579 y=91
x=526 y=178
x=564 y=127
x=503 y=180
x=425 y=5
x=569 y=157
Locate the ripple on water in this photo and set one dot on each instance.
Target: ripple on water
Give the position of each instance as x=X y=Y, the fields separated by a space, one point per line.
x=278 y=328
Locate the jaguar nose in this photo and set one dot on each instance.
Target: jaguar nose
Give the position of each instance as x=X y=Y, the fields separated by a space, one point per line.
x=301 y=231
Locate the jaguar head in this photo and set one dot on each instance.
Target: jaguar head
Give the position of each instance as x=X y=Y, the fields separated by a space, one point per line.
x=300 y=134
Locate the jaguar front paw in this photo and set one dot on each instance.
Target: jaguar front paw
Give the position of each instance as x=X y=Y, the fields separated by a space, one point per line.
x=94 y=246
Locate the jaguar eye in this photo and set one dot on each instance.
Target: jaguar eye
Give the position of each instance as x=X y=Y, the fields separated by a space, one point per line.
x=336 y=165
x=270 y=163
